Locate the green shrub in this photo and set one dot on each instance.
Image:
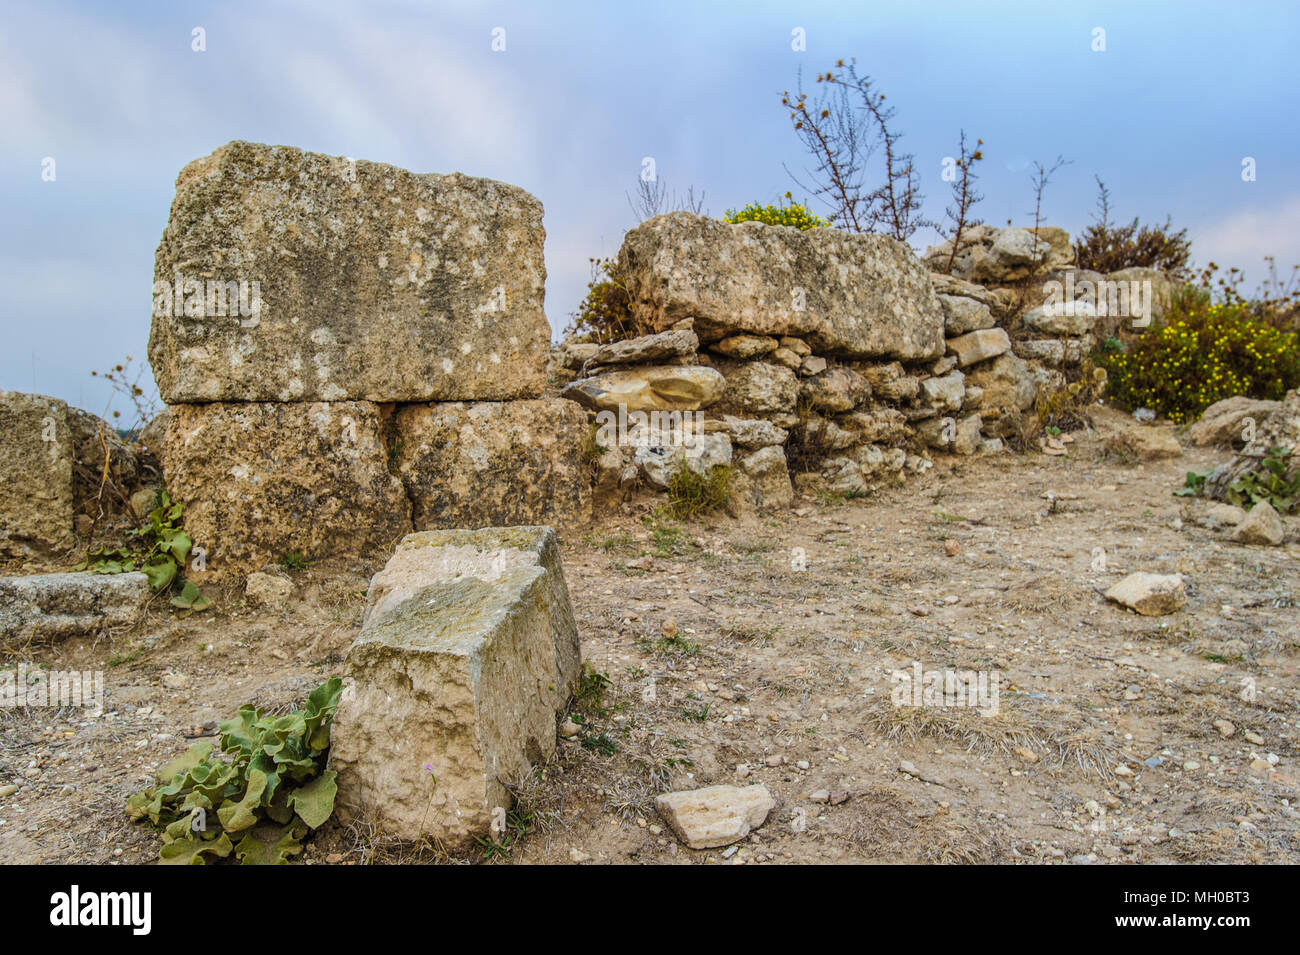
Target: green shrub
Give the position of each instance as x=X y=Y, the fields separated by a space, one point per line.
x=605 y=314
x=1108 y=248
x=1204 y=353
x=1276 y=480
x=793 y=214
x=274 y=779
x=690 y=494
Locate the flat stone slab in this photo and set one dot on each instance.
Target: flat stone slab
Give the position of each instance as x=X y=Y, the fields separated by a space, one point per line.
x=468 y=651
x=372 y=283
x=715 y=816
x=45 y=608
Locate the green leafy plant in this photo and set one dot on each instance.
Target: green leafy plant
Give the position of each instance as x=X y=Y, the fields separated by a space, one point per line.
x=159 y=550
x=1274 y=481
x=795 y=215
x=1204 y=354
x=269 y=783
x=295 y=560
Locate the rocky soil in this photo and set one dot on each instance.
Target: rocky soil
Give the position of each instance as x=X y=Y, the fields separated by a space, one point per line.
x=1119 y=739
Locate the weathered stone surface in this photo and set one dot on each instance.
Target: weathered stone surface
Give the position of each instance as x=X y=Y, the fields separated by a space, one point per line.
x=1261 y=525
x=269 y=591
x=1224 y=422
x=44 y=608
x=1157 y=290
x=715 y=816
x=1053 y=350
x=654 y=388
x=879 y=425
x=784 y=356
x=757 y=387
x=1145 y=442
x=1152 y=595
x=979 y=346
x=768 y=486
x=1067 y=318
x=988 y=254
x=701 y=455
x=452 y=687
x=953 y=286
x=745 y=346
x=750 y=432
x=845 y=294
x=674 y=343
x=962 y=315
x=835 y=390
x=1007 y=383
x=946 y=392
x=36 y=455
x=375 y=283
x=431 y=557
x=258 y=480
x=493 y=463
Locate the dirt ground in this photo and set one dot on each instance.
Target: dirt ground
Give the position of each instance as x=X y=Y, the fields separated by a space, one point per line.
x=727 y=664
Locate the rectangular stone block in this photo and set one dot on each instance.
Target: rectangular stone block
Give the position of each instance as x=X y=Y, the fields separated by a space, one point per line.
x=259 y=480
x=36 y=493
x=45 y=608
x=352 y=280
x=494 y=463
x=468 y=651
x=848 y=295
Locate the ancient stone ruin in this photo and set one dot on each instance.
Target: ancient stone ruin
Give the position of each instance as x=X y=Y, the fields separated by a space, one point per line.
x=350 y=352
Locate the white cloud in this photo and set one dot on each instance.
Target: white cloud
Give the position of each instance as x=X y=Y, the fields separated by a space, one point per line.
x=1242 y=239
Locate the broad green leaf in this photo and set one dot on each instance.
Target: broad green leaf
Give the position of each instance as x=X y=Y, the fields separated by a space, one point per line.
x=160 y=574
x=314 y=801
x=253 y=850
x=237 y=816
x=192 y=851
x=192 y=757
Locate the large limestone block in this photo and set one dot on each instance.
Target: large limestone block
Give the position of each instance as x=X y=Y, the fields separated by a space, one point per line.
x=979 y=345
x=36 y=492
x=44 y=608
x=1231 y=421
x=494 y=463
x=845 y=294
x=259 y=480
x=372 y=283
x=468 y=651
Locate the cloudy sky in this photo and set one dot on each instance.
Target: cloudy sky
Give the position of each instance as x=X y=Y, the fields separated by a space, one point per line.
x=116 y=95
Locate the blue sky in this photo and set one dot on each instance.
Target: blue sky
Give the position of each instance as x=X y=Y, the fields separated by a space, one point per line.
x=582 y=92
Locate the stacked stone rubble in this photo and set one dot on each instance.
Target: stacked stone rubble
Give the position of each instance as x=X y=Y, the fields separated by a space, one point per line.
x=351 y=351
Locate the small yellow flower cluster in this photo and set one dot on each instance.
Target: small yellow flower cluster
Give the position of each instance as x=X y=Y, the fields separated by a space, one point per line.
x=1202 y=356
x=791 y=215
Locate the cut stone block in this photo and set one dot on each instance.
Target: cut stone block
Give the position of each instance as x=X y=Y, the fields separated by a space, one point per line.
x=979 y=345
x=44 y=608
x=847 y=294
x=494 y=464
x=359 y=281
x=36 y=453
x=468 y=652
x=261 y=480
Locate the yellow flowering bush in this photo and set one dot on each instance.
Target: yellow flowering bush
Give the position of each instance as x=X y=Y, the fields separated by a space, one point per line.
x=1204 y=354
x=793 y=215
